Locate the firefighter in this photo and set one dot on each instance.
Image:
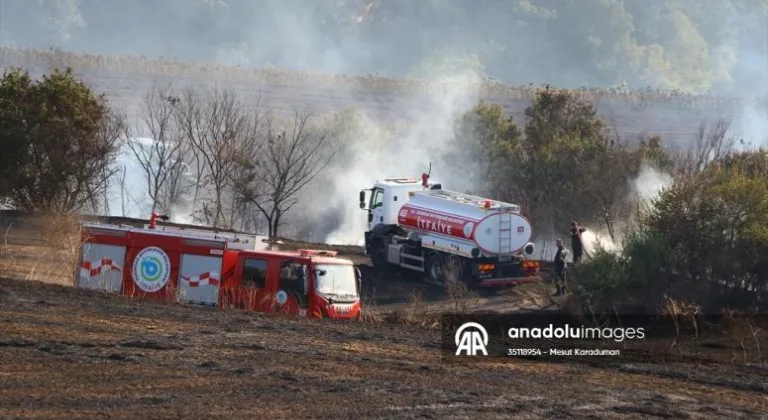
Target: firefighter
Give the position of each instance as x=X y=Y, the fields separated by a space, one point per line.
x=561 y=263
x=576 y=244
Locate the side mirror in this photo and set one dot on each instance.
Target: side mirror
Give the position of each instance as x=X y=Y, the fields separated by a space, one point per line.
x=362 y=199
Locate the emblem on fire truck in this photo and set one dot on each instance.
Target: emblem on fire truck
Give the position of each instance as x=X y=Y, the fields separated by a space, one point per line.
x=151 y=269
x=468 y=229
x=281 y=297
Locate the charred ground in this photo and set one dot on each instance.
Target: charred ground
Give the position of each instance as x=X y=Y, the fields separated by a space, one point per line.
x=72 y=353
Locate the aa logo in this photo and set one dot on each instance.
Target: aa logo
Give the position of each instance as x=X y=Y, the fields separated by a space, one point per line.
x=471 y=338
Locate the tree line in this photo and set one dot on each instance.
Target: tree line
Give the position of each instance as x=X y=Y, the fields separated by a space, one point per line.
x=206 y=152
x=702 y=240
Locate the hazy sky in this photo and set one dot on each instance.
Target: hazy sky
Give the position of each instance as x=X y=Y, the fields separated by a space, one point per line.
x=512 y=38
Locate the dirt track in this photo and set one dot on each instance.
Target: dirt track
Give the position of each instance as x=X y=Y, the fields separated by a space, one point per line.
x=68 y=353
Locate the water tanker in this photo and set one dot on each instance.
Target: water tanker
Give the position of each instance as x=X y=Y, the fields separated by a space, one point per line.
x=416 y=225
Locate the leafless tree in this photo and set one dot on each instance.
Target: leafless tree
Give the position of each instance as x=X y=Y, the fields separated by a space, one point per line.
x=273 y=175
x=127 y=201
x=219 y=128
x=710 y=145
x=159 y=150
x=187 y=109
x=123 y=191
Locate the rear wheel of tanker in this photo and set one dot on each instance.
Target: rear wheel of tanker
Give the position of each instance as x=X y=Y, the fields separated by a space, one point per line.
x=455 y=270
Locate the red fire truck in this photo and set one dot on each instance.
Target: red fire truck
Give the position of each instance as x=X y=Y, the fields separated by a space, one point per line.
x=199 y=267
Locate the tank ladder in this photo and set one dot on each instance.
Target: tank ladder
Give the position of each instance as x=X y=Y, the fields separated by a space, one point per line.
x=505 y=234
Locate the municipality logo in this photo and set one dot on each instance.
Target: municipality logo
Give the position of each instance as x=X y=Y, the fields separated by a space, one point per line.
x=471 y=338
x=151 y=269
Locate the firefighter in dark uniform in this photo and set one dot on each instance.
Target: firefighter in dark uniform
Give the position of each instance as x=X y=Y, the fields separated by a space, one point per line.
x=561 y=263
x=576 y=244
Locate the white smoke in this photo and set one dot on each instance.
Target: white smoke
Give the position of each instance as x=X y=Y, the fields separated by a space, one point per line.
x=751 y=126
x=128 y=194
x=648 y=186
x=429 y=122
x=650 y=183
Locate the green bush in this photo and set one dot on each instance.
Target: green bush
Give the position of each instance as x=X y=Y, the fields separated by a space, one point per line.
x=704 y=241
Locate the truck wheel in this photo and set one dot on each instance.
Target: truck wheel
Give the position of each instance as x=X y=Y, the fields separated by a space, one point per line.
x=455 y=270
x=434 y=267
x=379 y=256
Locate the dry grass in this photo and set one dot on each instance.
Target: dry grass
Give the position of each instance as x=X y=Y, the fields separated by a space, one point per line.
x=747 y=333
x=55 y=261
x=88 y=62
x=683 y=315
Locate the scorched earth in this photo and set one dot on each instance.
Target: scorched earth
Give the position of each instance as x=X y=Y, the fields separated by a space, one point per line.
x=68 y=353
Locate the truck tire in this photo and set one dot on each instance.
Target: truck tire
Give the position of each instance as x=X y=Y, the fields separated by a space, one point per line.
x=434 y=267
x=379 y=256
x=455 y=270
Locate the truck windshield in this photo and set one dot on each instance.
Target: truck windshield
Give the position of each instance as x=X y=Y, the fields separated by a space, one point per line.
x=335 y=280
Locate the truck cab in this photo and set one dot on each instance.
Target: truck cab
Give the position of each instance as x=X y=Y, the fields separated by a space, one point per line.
x=305 y=282
x=384 y=200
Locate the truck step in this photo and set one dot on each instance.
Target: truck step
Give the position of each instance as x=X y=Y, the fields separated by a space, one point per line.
x=412 y=267
x=411 y=257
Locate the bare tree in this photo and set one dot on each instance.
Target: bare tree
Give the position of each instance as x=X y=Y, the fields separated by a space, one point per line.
x=187 y=110
x=710 y=145
x=218 y=127
x=180 y=181
x=159 y=153
x=123 y=191
x=274 y=173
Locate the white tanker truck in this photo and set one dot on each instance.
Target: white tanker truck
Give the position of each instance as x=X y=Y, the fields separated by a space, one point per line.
x=415 y=224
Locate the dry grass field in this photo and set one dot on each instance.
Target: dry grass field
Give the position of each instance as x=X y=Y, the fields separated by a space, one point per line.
x=399 y=102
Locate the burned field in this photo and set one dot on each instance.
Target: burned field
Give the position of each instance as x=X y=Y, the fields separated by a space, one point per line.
x=69 y=353
x=72 y=353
